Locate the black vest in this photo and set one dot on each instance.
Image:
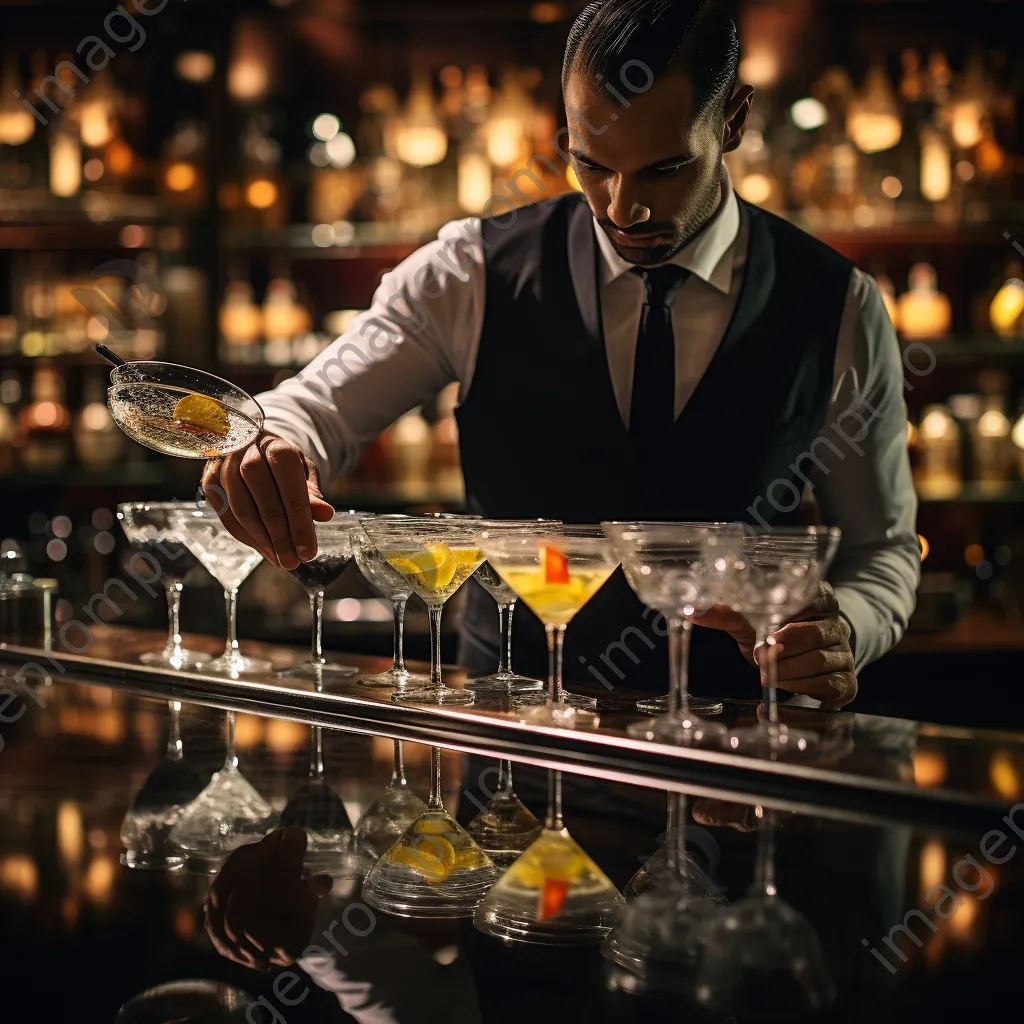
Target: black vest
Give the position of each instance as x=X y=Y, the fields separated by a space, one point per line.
x=541 y=434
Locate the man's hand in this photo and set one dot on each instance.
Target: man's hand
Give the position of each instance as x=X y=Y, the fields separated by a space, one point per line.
x=813 y=651
x=261 y=911
x=268 y=496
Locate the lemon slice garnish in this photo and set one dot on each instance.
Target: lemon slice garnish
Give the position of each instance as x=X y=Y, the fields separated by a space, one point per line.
x=434 y=566
x=204 y=412
x=431 y=857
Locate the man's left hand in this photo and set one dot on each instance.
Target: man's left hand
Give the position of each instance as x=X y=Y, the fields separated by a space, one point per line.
x=813 y=653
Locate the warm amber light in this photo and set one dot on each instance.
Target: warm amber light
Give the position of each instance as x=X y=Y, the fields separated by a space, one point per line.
x=261 y=193
x=1003 y=775
x=284 y=736
x=547 y=13
x=69 y=833
x=248 y=731
x=18 y=875
x=755 y=188
x=892 y=187
x=1007 y=308
x=933 y=864
x=573 y=179
x=119 y=157
x=974 y=554
x=929 y=768
x=925 y=546
x=180 y=177
x=760 y=68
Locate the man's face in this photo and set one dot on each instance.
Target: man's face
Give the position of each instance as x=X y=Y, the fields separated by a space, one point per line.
x=650 y=171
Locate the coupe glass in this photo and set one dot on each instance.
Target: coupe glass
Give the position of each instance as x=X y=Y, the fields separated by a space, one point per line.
x=436 y=556
x=144 y=397
x=434 y=869
x=554 y=894
x=150 y=528
x=170 y=787
x=315 y=807
x=506 y=826
x=555 y=575
x=391 y=813
x=662 y=563
x=391 y=584
x=227 y=814
x=768 y=576
x=334 y=550
x=762 y=948
x=230 y=563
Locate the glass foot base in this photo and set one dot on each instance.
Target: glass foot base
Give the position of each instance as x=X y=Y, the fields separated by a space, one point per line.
x=235 y=665
x=679 y=730
x=510 y=683
x=764 y=740
x=574 y=700
x=174 y=657
x=504 y=829
x=561 y=716
x=698 y=705
x=311 y=670
x=150 y=861
x=392 y=680
x=443 y=696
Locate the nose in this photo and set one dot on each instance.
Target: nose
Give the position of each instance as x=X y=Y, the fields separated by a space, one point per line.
x=624 y=209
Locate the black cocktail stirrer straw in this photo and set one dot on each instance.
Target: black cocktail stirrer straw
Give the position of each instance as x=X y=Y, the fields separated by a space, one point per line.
x=111 y=357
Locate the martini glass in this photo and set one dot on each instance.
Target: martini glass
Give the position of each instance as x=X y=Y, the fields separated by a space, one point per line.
x=391 y=813
x=505 y=827
x=761 y=950
x=395 y=587
x=555 y=575
x=149 y=527
x=227 y=814
x=768 y=576
x=315 y=807
x=145 y=402
x=334 y=550
x=436 y=556
x=554 y=894
x=662 y=563
x=434 y=869
x=230 y=563
x=170 y=787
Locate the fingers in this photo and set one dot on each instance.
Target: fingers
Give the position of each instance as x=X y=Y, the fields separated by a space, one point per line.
x=816 y=663
x=797 y=638
x=288 y=468
x=215 y=492
x=824 y=605
x=724 y=814
x=323 y=510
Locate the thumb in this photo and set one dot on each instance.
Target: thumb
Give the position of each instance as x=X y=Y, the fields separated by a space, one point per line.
x=323 y=510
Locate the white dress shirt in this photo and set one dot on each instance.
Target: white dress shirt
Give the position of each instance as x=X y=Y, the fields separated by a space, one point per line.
x=423 y=331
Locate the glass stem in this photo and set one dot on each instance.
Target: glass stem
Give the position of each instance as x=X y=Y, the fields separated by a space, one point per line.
x=683 y=665
x=173 y=618
x=398 y=662
x=764 y=881
x=434 y=615
x=231 y=606
x=175 y=751
x=768 y=698
x=505 y=626
x=316 y=754
x=398 y=775
x=434 y=803
x=676 y=849
x=316 y=603
x=505 y=779
x=554 y=817
x=556 y=640
x=230 y=757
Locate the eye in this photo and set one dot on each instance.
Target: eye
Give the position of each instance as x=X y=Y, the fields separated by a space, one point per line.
x=669 y=171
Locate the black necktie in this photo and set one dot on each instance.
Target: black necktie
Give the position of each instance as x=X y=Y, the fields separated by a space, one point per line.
x=652 y=411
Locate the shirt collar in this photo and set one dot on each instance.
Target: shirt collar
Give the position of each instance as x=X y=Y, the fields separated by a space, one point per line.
x=709 y=256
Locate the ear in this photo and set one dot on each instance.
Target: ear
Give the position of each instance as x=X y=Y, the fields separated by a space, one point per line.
x=737 y=111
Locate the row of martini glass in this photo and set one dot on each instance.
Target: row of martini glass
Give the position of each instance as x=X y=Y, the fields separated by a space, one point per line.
x=670 y=930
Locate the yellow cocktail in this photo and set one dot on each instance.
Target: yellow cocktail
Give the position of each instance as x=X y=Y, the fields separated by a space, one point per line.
x=435 y=571
x=555 y=604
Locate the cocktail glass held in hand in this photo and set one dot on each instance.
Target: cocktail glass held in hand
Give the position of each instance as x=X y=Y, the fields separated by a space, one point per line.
x=662 y=563
x=150 y=528
x=227 y=814
x=554 y=894
x=436 y=557
x=179 y=411
x=555 y=575
x=768 y=576
x=335 y=547
x=390 y=583
x=391 y=813
x=434 y=869
x=229 y=562
x=170 y=787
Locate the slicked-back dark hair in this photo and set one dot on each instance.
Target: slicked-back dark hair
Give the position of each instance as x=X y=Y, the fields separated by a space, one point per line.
x=695 y=37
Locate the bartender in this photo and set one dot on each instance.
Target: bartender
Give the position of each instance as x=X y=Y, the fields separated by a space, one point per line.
x=653 y=349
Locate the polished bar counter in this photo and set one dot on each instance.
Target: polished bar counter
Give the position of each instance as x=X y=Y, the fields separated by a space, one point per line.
x=893 y=844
